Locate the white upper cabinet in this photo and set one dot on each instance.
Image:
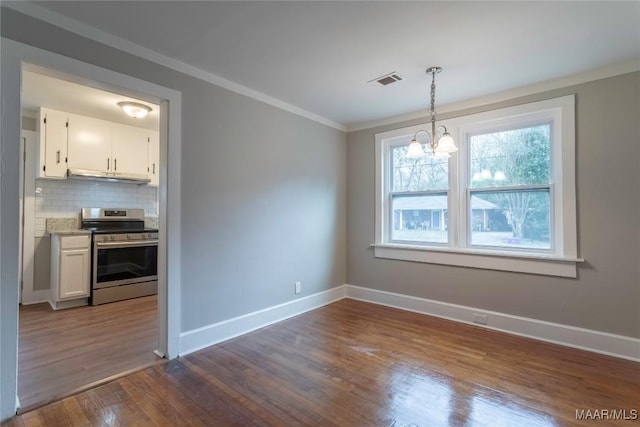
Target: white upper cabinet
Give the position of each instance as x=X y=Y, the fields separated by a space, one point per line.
x=89 y=143
x=53 y=144
x=154 y=159
x=94 y=148
x=130 y=150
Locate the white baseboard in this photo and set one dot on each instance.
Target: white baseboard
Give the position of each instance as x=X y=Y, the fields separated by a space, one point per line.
x=197 y=339
x=61 y=305
x=35 y=297
x=570 y=336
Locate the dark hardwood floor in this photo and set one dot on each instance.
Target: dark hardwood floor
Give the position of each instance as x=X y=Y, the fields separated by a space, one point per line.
x=358 y=364
x=65 y=350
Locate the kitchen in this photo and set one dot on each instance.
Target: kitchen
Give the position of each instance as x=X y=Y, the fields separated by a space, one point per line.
x=89 y=235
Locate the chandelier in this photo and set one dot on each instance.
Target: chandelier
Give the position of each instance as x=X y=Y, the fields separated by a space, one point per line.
x=439 y=140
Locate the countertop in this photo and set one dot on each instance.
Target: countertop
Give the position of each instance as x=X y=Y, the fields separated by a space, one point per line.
x=69 y=232
x=64 y=226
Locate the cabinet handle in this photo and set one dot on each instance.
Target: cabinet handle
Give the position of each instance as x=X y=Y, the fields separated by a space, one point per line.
x=154 y=168
x=107 y=163
x=57 y=157
x=115 y=164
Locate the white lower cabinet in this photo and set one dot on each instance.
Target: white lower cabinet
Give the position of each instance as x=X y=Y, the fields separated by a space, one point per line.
x=70 y=270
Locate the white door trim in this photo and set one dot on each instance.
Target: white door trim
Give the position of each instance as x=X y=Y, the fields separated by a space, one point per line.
x=15 y=58
x=29 y=294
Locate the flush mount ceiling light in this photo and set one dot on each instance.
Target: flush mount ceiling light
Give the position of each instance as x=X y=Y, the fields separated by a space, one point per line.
x=439 y=140
x=134 y=109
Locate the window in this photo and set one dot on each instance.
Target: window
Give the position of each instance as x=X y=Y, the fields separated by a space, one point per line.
x=419 y=194
x=509 y=188
x=505 y=200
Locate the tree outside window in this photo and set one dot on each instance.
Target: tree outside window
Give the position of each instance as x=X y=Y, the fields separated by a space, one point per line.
x=511 y=169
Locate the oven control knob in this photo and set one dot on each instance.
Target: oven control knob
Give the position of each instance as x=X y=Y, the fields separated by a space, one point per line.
x=113 y=237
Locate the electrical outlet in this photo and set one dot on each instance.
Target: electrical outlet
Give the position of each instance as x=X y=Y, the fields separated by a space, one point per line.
x=480 y=319
x=298 y=287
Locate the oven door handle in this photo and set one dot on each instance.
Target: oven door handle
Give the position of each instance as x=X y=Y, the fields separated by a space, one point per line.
x=127 y=244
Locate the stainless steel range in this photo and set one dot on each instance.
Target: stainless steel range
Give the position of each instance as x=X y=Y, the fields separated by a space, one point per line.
x=124 y=254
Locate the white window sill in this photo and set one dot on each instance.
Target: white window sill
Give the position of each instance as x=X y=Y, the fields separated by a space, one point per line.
x=548 y=265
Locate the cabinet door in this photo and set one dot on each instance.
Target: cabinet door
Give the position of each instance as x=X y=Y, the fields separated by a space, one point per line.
x=154 y=159
x=89 y=143
x=74 y=273
x=53 y=140
x=130 y=150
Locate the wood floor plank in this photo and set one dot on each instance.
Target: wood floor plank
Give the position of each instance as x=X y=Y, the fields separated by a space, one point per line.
x=357 y=364
x=161 y=405
x=62 y=351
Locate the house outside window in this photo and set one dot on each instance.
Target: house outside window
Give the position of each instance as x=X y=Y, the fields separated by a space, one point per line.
x=505 y=200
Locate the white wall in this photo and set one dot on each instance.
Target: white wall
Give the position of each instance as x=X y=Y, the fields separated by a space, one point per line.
x=65 y=198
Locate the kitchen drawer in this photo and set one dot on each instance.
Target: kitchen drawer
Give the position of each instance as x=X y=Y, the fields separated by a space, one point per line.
x=74 y=242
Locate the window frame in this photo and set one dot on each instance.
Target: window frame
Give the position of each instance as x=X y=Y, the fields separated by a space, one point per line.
x=391 y=194
x=559 y=260
x=507 y=124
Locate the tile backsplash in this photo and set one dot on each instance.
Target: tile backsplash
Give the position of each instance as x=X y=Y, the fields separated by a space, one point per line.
x=65 y=198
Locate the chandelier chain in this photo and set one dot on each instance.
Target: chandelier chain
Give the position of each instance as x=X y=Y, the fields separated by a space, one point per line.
x=433 y=96
x=434 y=138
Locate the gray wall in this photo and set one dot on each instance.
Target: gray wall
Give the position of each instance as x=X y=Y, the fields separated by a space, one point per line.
x=42 y=263
x=606 y=295
x=263 y=190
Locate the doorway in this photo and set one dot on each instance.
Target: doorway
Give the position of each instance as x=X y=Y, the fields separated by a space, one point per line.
x=58 y=350
x=56 y=359
x=18 y=57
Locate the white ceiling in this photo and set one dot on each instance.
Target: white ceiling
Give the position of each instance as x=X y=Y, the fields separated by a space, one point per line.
x=39 y=90
x=318 y=56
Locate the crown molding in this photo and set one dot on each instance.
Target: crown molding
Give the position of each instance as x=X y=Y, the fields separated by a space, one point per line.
x=124 y=45
x=119 y=43
x=597 y=74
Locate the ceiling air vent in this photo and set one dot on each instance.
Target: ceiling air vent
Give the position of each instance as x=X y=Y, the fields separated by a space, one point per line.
x=387 y=79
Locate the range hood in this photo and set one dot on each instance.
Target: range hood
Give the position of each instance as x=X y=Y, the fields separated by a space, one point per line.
x=107 y=176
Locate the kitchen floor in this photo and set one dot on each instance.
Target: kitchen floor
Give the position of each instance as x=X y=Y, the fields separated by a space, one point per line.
x=63 y=351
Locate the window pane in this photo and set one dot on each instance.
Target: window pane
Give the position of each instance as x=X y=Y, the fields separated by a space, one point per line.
x=511 y=157
x=419 y=218
x=511 y=219
x=421 y=174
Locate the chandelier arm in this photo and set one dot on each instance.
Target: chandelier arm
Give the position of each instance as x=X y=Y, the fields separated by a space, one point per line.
x=415 y=135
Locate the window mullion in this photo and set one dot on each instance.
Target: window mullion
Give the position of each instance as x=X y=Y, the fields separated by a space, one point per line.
x=457 y=195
